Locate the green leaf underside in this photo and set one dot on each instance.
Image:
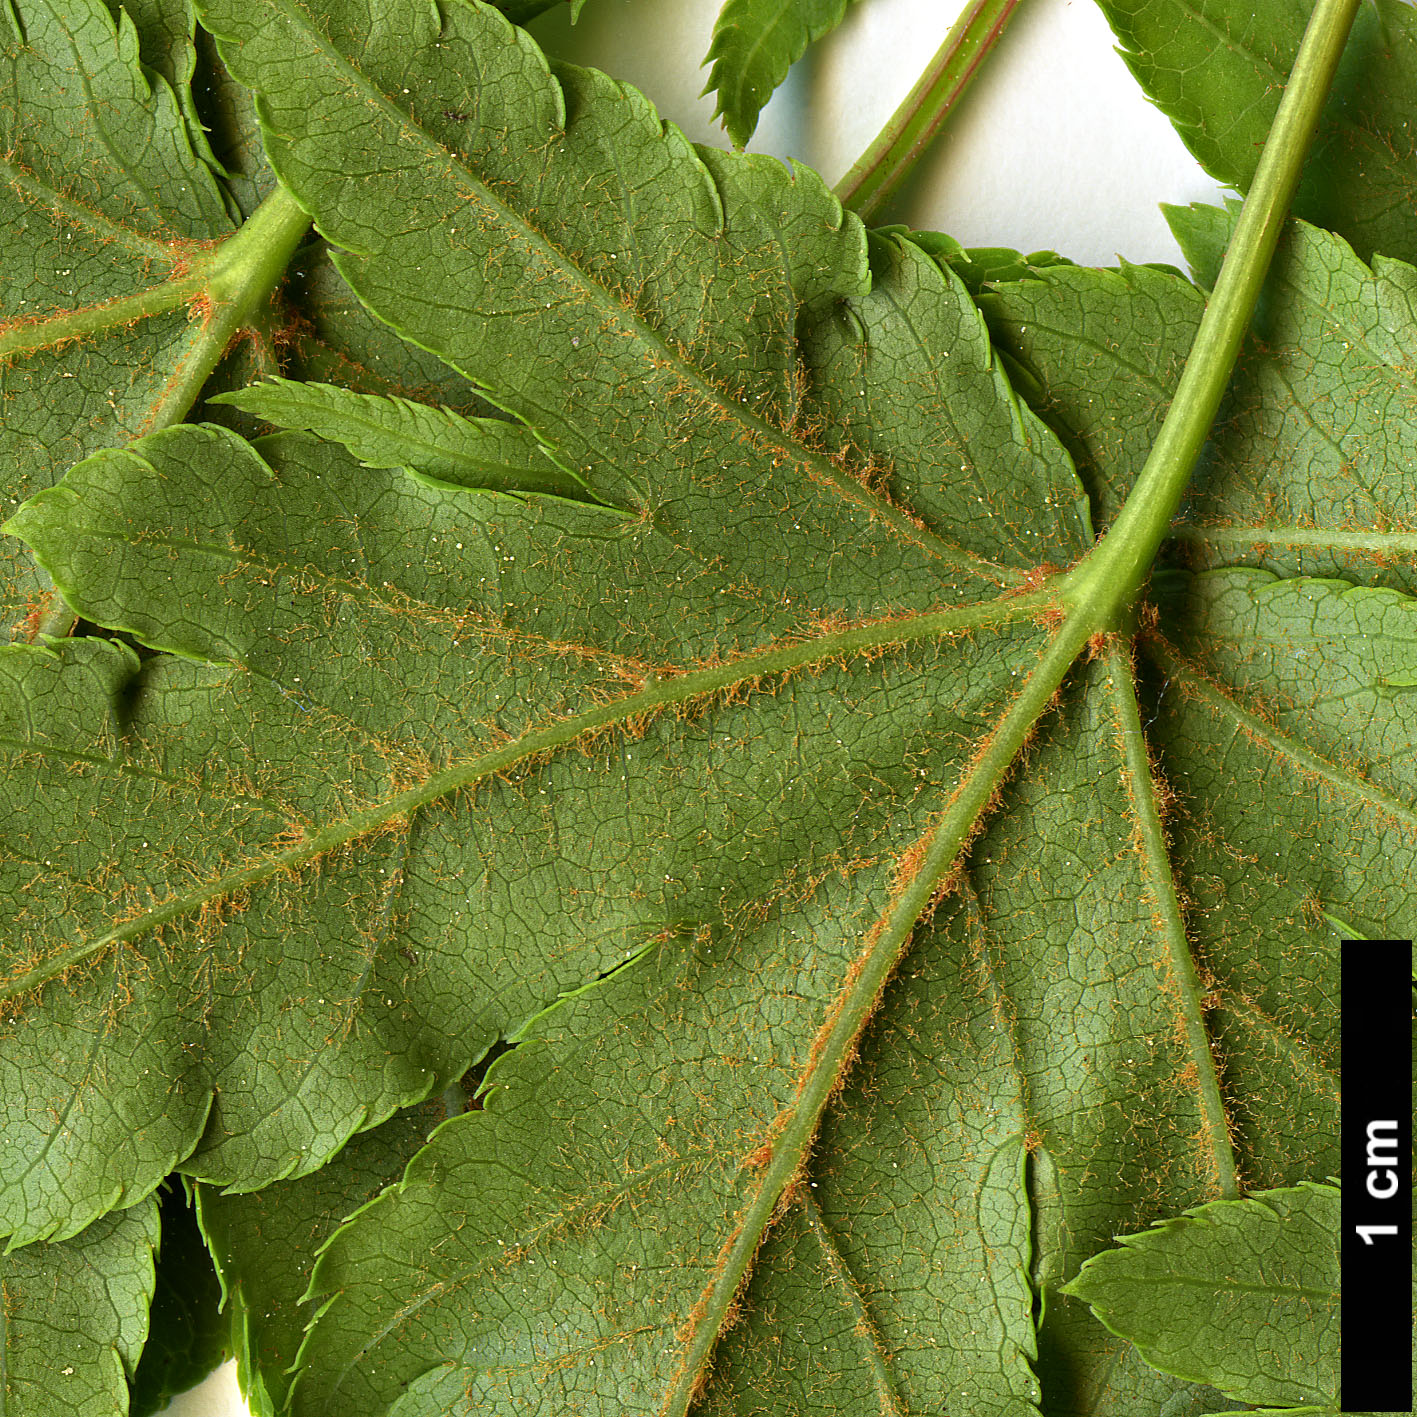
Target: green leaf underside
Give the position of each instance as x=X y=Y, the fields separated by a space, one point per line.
x=1242 y=1294
x=265 y=1243
x=1311 y=468
x=103 y=203
x=1305 y=1103
x=73 y=1318
x=421 y=760
x=395 y=432
x=226 y=113
x=754 y=44
x=164 y=30
x=954 y=1074
x=569 y=1189
x=1218 y=73
x=188 y=1334
x=810 y=546
x=493 y=668
x=335 y=340
x=631 y=301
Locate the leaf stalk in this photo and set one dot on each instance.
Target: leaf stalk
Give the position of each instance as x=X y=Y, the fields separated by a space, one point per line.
x=874 y=177
x=1103 y=585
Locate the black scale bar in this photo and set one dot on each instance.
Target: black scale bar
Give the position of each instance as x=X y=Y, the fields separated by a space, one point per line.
x=1376 y=1251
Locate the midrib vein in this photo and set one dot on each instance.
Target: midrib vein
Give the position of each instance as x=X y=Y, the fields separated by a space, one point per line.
x=920 y=872
x=657 y=351
x=783 y=14
x=1240 y=1286
x=661 y=694
x=1280 y=743
x=1160 y=881
x=30 y=335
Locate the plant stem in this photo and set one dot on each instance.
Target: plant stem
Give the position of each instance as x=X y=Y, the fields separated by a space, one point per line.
x=1108 y=579
x=1099 y=595
x=877 y=173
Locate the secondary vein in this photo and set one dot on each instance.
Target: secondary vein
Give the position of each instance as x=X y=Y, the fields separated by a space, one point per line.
x=1281 y=744
x=88 y=218
x=921 y=872
x=1234 y=534
x=891 y=1405
x=27 y=336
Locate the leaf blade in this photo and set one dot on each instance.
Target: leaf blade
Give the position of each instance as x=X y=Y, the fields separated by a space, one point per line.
x=615 y=330
x=1180 y=1293
x=75 y=1317
x=1218 y=78
x=1308 y=470
x=78 y=229
x=754 y=44
x=224 y=770
x=264 y=1244
x=393 y=432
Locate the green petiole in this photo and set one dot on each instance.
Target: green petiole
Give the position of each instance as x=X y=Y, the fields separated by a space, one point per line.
x=879 y=171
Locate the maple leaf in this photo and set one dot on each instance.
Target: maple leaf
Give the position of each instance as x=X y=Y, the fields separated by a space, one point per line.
x=108 y=218
x=1310 y=468
x=123 y=287
x=880 y=916
x=76 y=1316
x=265 y=1243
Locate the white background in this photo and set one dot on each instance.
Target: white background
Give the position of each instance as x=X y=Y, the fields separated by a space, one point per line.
x=1054 y=149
